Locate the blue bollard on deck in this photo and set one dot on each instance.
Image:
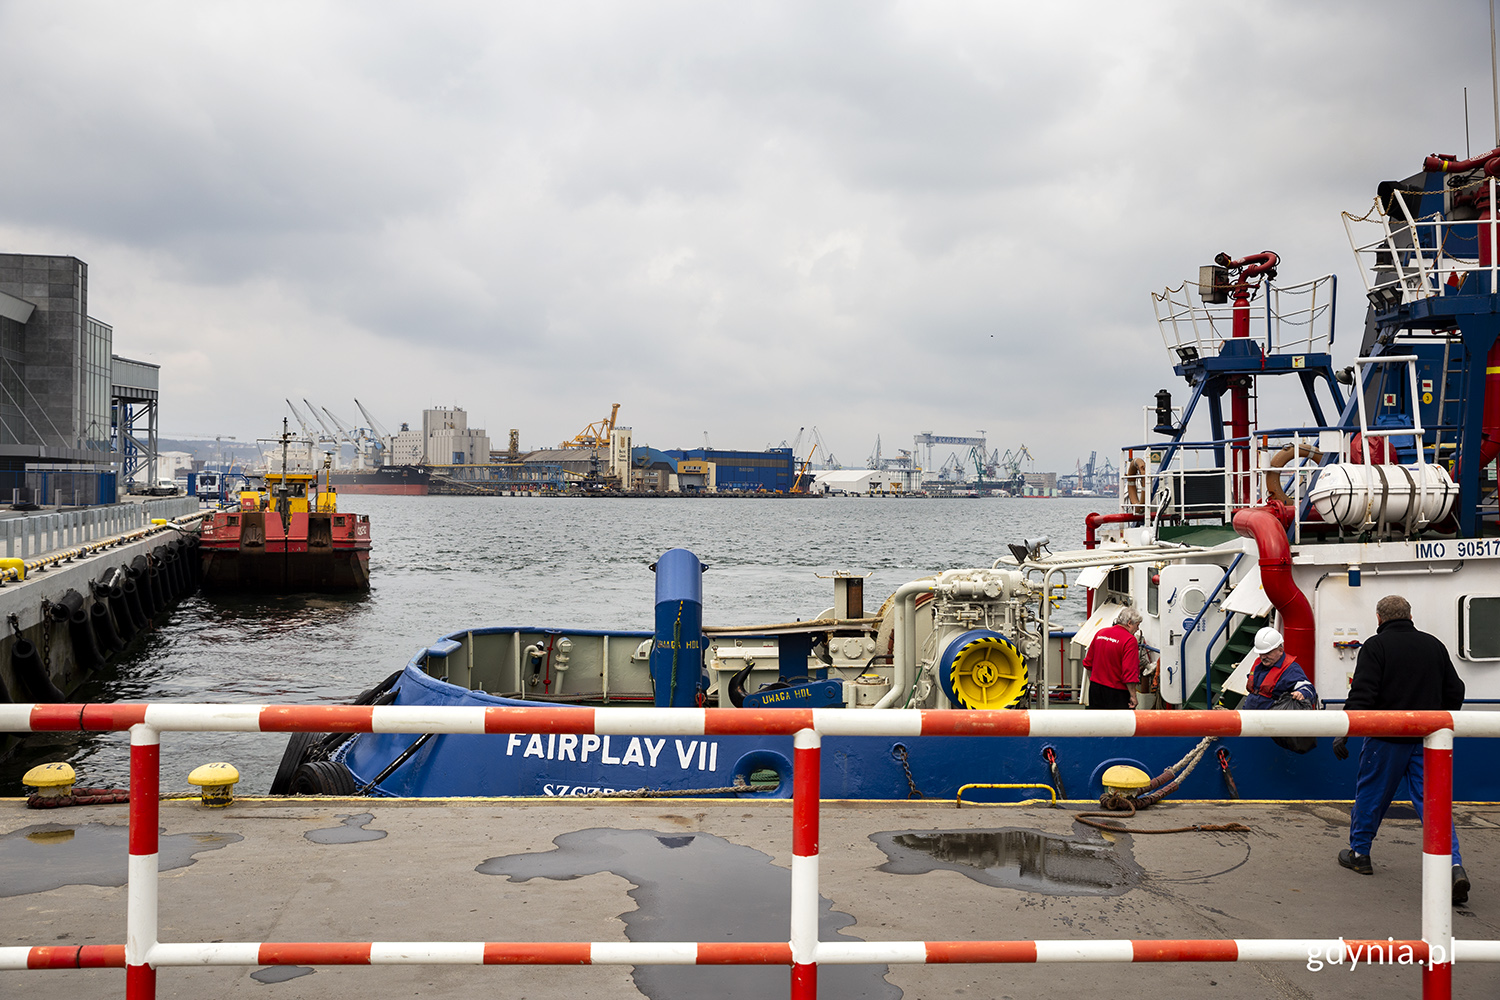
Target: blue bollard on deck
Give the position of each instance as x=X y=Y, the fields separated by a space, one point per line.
x=677 y=651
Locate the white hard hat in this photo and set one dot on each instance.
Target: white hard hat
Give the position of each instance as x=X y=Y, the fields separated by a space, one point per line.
x=1266 y=640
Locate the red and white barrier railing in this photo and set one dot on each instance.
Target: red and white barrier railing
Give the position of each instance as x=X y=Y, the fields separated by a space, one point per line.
x=142 y=954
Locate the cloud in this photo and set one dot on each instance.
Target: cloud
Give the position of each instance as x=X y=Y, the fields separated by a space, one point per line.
x=873 y=218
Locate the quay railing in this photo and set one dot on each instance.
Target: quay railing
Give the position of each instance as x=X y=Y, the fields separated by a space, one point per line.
x=143 y=954
x=30 y=535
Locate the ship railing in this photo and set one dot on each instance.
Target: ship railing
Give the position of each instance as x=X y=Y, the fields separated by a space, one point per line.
x=1405 y=258
x=143 y=953
x=1186 y=480
x=1284 y=319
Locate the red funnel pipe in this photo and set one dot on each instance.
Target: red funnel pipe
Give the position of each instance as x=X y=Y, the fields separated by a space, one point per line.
x=1249 y=267
x=1267 y=525
x=1092 y=522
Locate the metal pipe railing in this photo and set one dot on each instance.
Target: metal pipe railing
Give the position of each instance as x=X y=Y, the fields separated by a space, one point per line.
x=142 y=954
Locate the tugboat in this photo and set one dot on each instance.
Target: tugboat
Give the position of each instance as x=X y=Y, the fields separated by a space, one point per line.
x=288 y=535
x=1230 y=518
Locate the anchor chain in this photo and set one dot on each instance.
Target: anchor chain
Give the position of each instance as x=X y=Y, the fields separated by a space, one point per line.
x=47 y=624
x=913 y=791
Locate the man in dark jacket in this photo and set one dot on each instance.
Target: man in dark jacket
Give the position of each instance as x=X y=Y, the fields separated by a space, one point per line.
x=1399 y=668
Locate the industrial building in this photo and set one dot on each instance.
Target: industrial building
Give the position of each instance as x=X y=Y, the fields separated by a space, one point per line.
x=711 y=470
x=75 y=419
x=445 y=439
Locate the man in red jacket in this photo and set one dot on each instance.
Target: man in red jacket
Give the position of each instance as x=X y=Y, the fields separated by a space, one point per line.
x=1399 y=668
x=1113 y=662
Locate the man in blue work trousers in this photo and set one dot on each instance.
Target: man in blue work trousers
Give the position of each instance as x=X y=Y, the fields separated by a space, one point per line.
x=1399 y=669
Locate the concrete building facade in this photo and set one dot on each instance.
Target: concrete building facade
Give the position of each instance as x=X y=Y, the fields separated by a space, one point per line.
x=55 y=367
x=450 y=440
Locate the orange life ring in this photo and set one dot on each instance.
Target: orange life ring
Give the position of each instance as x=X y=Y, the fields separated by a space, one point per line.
x=1135 y=482
x=1273 y=475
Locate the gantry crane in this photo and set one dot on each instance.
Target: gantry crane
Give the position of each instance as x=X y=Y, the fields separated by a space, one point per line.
x=595 y=435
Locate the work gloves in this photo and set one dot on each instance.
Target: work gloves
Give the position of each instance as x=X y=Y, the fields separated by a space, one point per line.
x=1341 y=747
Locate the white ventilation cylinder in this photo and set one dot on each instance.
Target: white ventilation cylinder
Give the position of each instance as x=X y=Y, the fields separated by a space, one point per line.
x=1357 y=495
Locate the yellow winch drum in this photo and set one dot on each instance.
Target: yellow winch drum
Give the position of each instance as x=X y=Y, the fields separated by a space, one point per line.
x=981 y=669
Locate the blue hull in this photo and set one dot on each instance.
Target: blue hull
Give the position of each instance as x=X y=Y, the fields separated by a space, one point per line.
x=863 y=767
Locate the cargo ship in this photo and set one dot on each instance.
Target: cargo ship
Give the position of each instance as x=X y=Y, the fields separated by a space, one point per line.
x=387 y=480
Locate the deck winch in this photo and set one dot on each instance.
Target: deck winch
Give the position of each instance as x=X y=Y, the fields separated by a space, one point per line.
x=984 y=624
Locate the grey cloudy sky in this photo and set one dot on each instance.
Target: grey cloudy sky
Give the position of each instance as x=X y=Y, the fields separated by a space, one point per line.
x=875 y=218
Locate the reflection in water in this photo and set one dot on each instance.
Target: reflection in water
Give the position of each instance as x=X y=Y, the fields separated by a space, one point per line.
x=698 y=887
x=50 y=856
x=1014 y=858
x=51 y=836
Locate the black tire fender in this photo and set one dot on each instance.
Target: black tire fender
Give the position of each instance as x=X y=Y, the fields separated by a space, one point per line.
x=322 y=777
x=291 y=759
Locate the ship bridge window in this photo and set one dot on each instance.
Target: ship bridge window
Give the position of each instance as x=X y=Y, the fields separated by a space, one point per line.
x=1479 y=627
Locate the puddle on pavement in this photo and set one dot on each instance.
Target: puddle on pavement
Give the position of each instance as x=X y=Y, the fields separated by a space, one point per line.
x=351 y=832
x=1014 y=858
x=50 y=855
x=280 y=973
x=699 y=887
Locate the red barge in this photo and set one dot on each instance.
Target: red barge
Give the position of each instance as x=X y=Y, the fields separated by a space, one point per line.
x=289 y=536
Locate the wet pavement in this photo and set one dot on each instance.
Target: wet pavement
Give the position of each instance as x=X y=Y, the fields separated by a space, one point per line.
x=540 y=870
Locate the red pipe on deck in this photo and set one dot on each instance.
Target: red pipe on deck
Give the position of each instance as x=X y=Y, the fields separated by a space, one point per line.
x=1267 y=525
x=1091 y=523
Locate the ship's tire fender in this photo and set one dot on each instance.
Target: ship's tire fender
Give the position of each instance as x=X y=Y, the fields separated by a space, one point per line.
x=1274 y=488
x=125 y=622
x=105 y=633
x=322 y=777
x=31 y=674
x=368 y=696
x=138 y=617
x=1135 y=482
x=86 y=651
x=291 y=759
x=62 y=609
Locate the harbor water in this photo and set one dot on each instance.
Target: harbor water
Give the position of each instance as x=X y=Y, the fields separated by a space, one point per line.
x=440 y=564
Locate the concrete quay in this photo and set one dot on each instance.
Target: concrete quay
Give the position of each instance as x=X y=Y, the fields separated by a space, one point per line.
x=686 y=869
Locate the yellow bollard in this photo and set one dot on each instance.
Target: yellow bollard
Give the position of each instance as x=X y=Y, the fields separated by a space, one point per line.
x=217 y=782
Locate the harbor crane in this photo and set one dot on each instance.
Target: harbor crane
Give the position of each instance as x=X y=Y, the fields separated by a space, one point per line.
x=315 y=441
x=375 y=425
x=928 y=440
x=361 y=438
x=596 y=434
x=797 y=486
